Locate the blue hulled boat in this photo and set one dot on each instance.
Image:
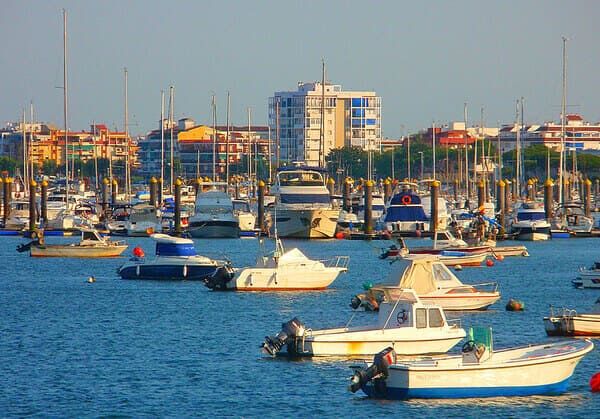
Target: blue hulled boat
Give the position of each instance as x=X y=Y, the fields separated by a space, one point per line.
x=176 y=259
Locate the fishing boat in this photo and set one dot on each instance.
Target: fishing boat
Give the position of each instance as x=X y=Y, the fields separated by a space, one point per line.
x=303 y=208
x=433 y=282
x=91 y=245
x=588 y=277
x=568 y=322
x=175 y=259
x=480 y=371
x=404 y=322
x=530 y=222
x=282 y=270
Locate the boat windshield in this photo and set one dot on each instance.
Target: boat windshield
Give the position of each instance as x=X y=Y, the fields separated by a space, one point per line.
x=531 y=216
x=300 y=179
x=241 y=206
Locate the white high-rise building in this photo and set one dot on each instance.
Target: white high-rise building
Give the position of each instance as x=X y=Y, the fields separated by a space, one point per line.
x=352 y=118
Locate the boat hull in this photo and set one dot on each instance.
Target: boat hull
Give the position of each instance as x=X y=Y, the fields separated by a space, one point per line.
x=265 y=279
x=60 y=251
x=520 y=376
x=214 y=229
x=533 y=233
x=459 y=302
x=581 y=325
x=467 y=260
x=306 y=223
x=168 y=272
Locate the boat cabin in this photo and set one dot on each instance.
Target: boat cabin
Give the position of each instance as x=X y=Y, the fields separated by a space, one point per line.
x=90 y=236
x=173 y=246
x=401 y=307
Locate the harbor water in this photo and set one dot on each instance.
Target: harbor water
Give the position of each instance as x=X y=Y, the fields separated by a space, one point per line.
x=148 y=348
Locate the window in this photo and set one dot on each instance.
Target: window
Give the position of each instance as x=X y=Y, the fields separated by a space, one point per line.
x=421 y=318
x=435 y=318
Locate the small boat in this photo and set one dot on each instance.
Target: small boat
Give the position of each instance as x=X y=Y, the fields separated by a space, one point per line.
x=282 y=270
x=455 y=258
x=91 y=245
x=241 y=209
x=569 y=323
x=433 y=282
x=404 y=322
x=530 y=222
x=176 y=259
x=588 y=277
x=571 y=217
x=442 y=241
x=478 y=372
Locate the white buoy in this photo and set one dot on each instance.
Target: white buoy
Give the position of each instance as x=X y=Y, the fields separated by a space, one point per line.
x=91 y=280
x=458 y=268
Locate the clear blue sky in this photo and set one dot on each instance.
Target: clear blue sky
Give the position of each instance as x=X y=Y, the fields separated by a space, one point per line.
x=425 y=58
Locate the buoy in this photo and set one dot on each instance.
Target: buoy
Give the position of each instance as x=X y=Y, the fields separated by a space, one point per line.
x=91 y=280
x=489 y=263
x=340 y=235
x=515 y=305
x=500 y=258
x=138 y=252
x=458 y=268
x=595 y=383
x=367 y=286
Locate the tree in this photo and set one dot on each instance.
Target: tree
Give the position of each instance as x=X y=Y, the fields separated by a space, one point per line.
x=49 y=167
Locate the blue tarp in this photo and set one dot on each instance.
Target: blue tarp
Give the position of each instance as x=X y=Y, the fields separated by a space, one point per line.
x=171 y=249
x=405 y=213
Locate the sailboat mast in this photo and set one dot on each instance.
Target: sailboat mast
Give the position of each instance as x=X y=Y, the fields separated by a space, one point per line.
x=65 y=105
x=249 y=155
x=466 y=153
x=171 y=123
x=24 y=145
x=562 y=120
x=95 y=154
x=126 y=129
x=30 y=145
x=433 y=147
x=518 y=150
x=214 y=138
x=322 y=136
x=227 y=140
x=162 y=139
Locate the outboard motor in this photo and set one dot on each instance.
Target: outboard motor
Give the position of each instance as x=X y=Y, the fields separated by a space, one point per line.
x=219 y=279
x=289 y=331
x=378 y=372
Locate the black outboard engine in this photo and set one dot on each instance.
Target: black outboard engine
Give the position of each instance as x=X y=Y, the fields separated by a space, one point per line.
x=378 y=372
x=355 y=302
x=219 y=279
x=289 y=331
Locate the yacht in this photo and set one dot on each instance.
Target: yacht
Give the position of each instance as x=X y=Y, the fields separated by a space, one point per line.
x=303 y=208
x=530 y=222
x=214 y=217
x=241 y=209
x=405 y=213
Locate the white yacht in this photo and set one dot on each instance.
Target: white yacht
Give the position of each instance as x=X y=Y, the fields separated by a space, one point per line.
x=530 y=222
x=303 y=207
x=214 y=217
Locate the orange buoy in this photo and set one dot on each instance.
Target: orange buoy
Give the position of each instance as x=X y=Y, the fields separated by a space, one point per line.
x=489 y=263
x=340 y=235
x=595 y=383
x=138 y=252
x=515 y=305
x=500 y=258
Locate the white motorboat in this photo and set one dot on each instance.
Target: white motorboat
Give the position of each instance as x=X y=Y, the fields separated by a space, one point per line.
x=433 y=282
x=588 y=277
x=176 y=259
x=480 y=371
x=303 y=207
x=571 y=217
x=530 y=222
x=214 y=217
x=404 y=322
x=91 y=245
x=568 y=322
x=18 y=216
x=282 y=270
x=143 y=221
x=241 y=209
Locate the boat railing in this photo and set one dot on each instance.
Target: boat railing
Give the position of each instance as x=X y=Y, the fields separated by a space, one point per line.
x=493 y=286
x=454 y=323
x=337 y=262
x=566 y=312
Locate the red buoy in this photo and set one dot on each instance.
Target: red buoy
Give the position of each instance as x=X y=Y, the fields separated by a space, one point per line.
x=500 y=258
x=489 y=263
x=138 y=252
x=340 y=235
x=595 y=383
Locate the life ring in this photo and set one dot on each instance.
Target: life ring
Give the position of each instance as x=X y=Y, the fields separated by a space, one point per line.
x=406 y=200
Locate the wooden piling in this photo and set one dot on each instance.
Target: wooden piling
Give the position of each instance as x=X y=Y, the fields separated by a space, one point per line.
x=177 y=212
x=6 y=198
x=368 y=213
x=435 y=193
x=501 y=204
x=548 y=198
x=113 y=192
x=153 y=191
x=480 y=193
x=32 y=211
x=588 y=197
x=44 y=203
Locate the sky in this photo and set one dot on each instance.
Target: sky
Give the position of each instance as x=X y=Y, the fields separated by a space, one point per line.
x=424 y=58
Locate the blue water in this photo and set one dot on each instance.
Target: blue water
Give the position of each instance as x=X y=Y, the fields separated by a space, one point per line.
x=144 y=348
